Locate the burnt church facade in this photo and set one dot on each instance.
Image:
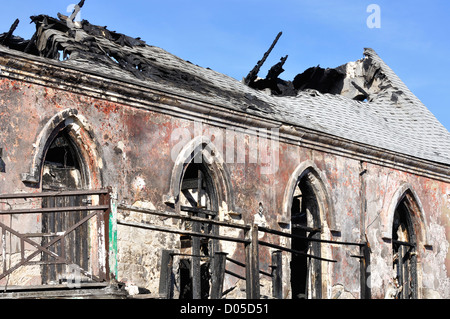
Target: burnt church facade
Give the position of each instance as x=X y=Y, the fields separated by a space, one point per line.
x=128 y=171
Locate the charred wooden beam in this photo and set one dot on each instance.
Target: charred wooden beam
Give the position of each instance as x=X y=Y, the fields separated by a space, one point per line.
x=272 y=81
x=236 y=262
x=181 y=232
x=2 y=163
x=254 y=72
x=276 y=70
x=218 y=275
x=31 y=43
x=403 y=243
x=76 y=10
x=280 y=233
x=277 y=274
x=365 y=271
x=365 y=95
x=198 y=210
x=165 y=279
x=229 y=272
x=54 y=210
x=252 y=264
x=297 y=252
x=10 y=32
x=183 y=217
x=53 y=194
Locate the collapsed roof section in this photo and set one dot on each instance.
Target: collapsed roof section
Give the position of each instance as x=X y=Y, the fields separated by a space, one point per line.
x=362 y=101
x=362 y=80
x=64 y=39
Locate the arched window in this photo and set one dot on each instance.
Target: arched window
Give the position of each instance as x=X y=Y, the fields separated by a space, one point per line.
x=62 y=165
x=198 y=197
x=404 y=251
x=200 y=184
x=63 y=171
x=305 y=218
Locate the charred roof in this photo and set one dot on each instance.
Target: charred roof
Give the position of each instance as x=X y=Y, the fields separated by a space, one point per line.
x=362 y=101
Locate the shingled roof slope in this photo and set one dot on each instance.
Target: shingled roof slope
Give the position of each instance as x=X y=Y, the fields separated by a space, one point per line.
x=392 y=118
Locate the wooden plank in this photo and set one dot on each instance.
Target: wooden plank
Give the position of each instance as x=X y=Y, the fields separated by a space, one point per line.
x=277 y=274
x=165 y=278
x=218 y=274
x=198 y=210
x=54 y=210
x=252 y=264
x=403 y=243
x=42 y=248
x=54 y=194
x=11 y=31
x=308 y=229
x=280 y=233
x=264 y=243
x=105 y=200
x=52 y=287
x=184 y=217
x=195 y=263
x=229 y=272
x=243 y=265
x=181 y=232
x=365 y=272
x=254 y=72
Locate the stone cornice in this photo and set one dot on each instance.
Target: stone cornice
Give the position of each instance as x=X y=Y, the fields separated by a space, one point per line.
x=24 y=67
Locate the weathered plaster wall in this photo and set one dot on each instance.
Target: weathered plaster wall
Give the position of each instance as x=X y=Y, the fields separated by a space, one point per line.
x=431 y=231
x=134 y=147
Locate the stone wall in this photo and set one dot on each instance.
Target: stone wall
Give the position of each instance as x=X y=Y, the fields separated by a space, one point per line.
x=134 y=153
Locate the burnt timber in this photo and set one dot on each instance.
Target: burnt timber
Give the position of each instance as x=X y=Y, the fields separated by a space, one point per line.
x=361 y=182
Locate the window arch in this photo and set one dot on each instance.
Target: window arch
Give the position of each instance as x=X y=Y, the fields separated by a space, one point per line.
x=65 y=158
x=198 y=198
x=306 y=277
x=199 y=186
x=320 y=188
x=201 y=149
x=64 y=170
x=306 y=208
x=404 y=250
x=80 y=135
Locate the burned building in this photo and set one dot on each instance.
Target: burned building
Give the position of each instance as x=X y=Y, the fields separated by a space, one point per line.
x=127 y=171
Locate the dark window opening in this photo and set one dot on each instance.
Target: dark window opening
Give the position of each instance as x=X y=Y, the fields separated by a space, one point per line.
x=305 y=271
x=197 y=191
x=61 y=153
x=62 y=171
x=404 y=253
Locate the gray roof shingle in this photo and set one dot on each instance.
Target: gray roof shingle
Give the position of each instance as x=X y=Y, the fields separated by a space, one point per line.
x=403 y=125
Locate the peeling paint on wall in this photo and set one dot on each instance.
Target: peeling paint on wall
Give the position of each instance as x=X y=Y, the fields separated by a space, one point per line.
x=124 y=131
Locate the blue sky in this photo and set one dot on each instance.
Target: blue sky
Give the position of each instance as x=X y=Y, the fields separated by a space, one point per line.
x=230 y=36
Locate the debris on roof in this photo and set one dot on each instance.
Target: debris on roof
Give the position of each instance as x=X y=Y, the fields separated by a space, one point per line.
x=96 y=47
x=361 y=80
x=362 y=101
x=67 y=40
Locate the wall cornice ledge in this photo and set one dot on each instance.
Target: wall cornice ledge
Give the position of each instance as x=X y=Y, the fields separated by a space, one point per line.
x=28 y=68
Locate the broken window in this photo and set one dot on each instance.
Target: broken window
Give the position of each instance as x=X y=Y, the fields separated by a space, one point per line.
x=198 y=198
x=61 y=172
x=404 y=253
x=305 y=271
x=61 y=155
